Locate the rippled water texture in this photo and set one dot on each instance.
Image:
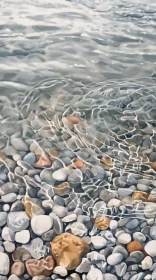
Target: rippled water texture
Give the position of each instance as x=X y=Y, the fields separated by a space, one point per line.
x=91 y=59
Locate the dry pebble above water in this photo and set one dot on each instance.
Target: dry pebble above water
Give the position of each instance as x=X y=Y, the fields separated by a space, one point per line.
x=63 y=217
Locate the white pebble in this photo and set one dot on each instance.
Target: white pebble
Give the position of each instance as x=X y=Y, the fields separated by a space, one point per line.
x=60 y=270
x=147 y=263
x=41 y=223
x=23 y=236
x=114 y=203
x=150 y=248
x=113 y=224
x=6 y=207
x=124 y=238
x=98 y=242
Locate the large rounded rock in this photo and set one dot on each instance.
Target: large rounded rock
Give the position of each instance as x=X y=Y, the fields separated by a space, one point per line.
x=18 y=221
x=4 y=264
x=150 y=248
x=68 y=250
x=19 y=144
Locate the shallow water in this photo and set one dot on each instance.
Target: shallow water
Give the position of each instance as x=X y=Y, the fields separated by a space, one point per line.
x=79 y=76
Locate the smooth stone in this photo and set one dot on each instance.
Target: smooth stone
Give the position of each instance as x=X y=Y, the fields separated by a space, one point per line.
x=58 y=200
x=3 y=176
x=115 y=259
x=109 y=276
x=148 y=277
x=106 y=195
x=3 y=218
x=4 y=264
x=113 y=224
x=40 y=277
x=60 y=211
x=98 y=242
x=67 y=153
x=137 y=255
x=152 y=157
x=49 y=235
x=17 y=221
x=124 y=238
x=94 y=274
x=98 y=172
x=19 y=144
x=62 y=271
x=46 y=175
x=41 y=223
x=75 y=178
x=150 y=210
x=2 y=277
x=9 y=188
x=142 y=187
x=153 y=232
x=61 y=174
x=124 y=192
x=22 y=237
x=36 y=248
x=58 y=225
x=13 y=277
x=1 y=249
x=114 y=202
x=69 y=218
x=6 y=207
x=132 y=224
x=79 y=229
x=21 y=254
x=29 y=158
x=150 y=248
x=75 y=276
x=17 y=206
x=139 y=236
x=84 y=266
x=18 y=268
x=150 y=222
x=147 y=263
x=10 y=197
x=9 y=246
x=8 y=234
x=121 y=269
x=99 y=209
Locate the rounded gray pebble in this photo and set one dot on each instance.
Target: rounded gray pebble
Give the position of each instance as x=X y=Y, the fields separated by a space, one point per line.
x=121 y=269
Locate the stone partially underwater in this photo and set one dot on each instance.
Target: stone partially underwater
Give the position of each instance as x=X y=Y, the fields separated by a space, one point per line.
x=78 y=187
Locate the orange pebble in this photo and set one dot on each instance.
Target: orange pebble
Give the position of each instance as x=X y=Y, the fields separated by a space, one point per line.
x=134 y=246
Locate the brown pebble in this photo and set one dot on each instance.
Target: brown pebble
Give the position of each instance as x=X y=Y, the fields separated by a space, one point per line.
x=68 y=250
x=102 y=223
x=62 y=189
x=42 y=161
x=106 y=162
x=43 y=266
x=3 y=156
x=134 y=246
x=73 y=119
x=78 y=163
x=31 y=208
x=18 y=268
x=140 y=196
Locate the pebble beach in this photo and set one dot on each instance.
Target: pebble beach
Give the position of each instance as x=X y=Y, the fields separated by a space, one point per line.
x=67 y=215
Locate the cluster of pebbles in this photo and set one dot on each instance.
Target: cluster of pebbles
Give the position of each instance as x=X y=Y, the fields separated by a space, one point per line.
x=66 y=217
